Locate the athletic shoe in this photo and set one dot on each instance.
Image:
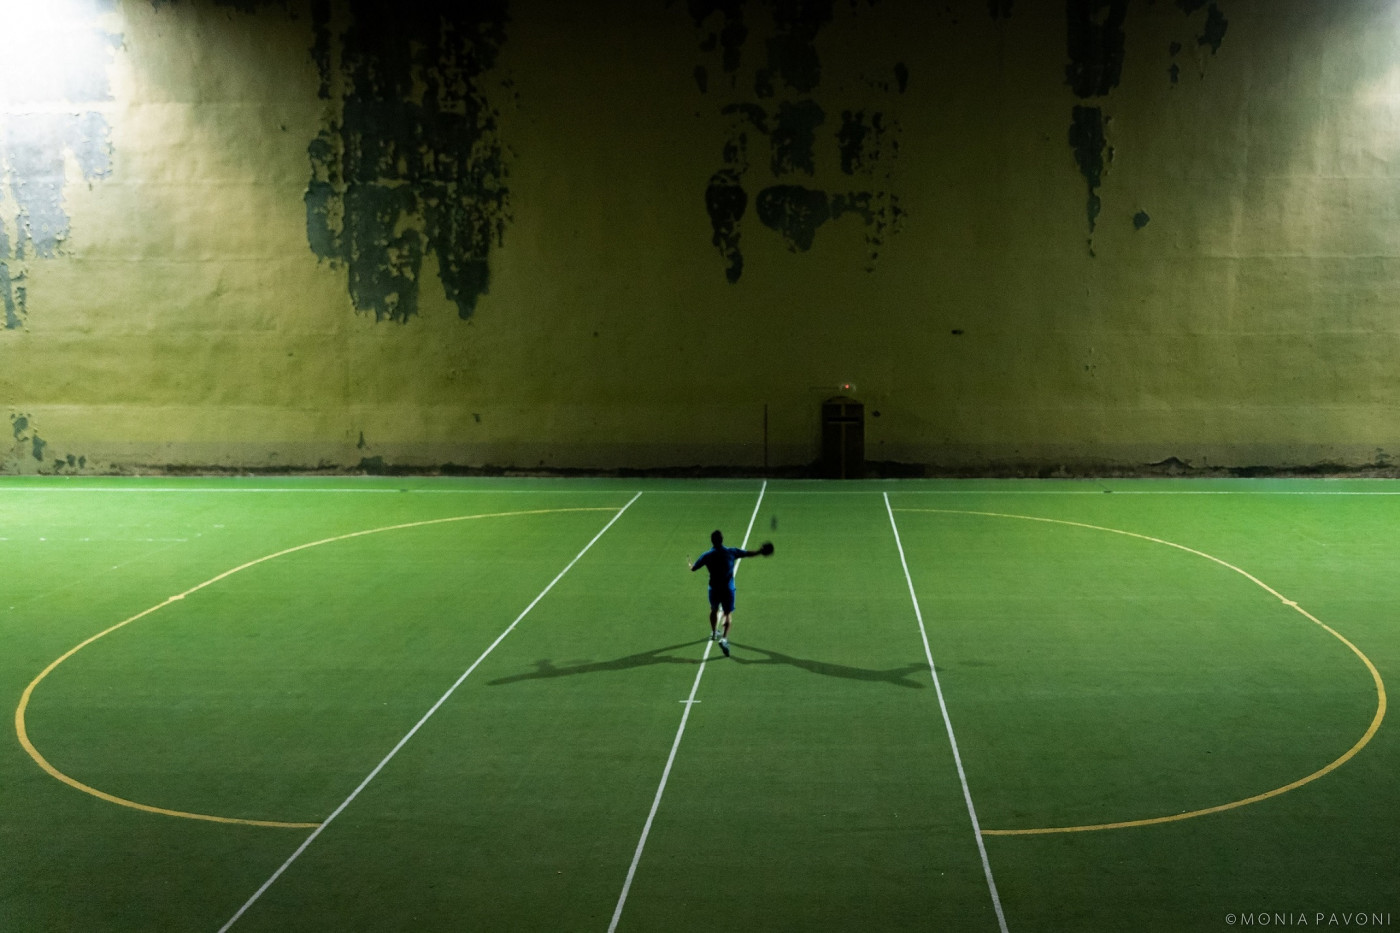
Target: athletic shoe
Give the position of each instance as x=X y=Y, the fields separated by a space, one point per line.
x=714 y=636
x=724 y=646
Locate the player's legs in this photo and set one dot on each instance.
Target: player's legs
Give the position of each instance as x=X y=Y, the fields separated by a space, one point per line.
x=714 y=619
x=727 y=617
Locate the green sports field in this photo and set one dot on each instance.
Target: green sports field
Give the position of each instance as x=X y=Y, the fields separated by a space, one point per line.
x=374 y=704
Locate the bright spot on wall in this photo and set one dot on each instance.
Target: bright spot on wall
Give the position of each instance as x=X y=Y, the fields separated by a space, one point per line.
x=55 y=51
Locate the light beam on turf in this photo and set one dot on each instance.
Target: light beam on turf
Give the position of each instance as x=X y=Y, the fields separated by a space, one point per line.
x=414 y=731
x=21 y=711
x=675 y=746
x=1346 y=756
x=948 y=724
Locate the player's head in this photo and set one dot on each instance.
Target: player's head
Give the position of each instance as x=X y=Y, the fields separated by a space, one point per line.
x=716 y=538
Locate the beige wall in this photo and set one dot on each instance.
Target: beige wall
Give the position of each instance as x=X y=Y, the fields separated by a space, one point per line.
x=170 y=301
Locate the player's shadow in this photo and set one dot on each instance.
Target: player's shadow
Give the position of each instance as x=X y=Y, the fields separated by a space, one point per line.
x=545 y=668
x=897 y=676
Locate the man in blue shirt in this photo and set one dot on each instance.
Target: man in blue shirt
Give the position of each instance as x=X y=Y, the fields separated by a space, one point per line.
x=720 y=561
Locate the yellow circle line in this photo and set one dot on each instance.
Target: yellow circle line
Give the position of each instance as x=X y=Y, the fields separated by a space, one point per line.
x=23 y=732
x=1153 y=821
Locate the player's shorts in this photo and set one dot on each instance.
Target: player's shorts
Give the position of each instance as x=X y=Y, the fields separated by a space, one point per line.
x=722 y=597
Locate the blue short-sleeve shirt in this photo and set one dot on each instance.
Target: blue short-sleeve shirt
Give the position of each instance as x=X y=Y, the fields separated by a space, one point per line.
x=720 y=562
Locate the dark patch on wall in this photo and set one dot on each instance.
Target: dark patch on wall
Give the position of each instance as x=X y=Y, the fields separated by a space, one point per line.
x=37 y=149
x=1140 y=220
x=1086 y=139
x=999 y=8
x=11 y=288
x=1211 y=36
x=792 y=53
x=28 y=443
x=725 y=202
x=792 y=125
x=414 y=163
x=1096 y=45
x=862 y=141
x=1214 y=32
x=756 y=116
x=321 y=45
x=794 y=137
x=880 y=211
x=731 y=33
x=851 y=139
x=794 y=212
x=49 y=130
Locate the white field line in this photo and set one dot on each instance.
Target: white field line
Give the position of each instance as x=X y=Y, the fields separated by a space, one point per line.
x=411 y=732
x=378 y=490
x=675 y=745
x=948 y=724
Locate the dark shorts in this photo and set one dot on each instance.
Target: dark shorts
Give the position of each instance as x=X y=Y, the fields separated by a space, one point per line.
x=722 y=597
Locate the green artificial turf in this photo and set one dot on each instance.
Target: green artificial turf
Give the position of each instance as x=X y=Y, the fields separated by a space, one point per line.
x=1090 y=677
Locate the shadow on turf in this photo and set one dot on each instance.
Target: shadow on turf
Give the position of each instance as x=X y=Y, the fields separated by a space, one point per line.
x=545 y=668
x=898 y=676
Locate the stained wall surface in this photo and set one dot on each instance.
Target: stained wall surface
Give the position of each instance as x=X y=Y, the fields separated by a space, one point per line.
x=339 y=234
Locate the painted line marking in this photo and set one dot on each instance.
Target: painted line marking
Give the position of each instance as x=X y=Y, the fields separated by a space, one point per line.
x=948 y=725
x=1293 y=604
x=675 y=745
x=22 y=731
x=397 y=491
x=411 y=732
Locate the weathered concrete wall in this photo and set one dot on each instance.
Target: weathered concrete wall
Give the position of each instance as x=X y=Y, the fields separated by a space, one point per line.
x=565 y=234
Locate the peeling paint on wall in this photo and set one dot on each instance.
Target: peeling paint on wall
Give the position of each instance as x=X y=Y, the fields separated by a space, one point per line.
x=1096 y=43
x=794 y=137
x=1086 y=139
x=1211 y=35
x=44 y=128
x=794 y=212
x=27 y=441
x=784 y=109
x=413 y=162
x=725 y=202
x=1214 y=32
x=29 y=452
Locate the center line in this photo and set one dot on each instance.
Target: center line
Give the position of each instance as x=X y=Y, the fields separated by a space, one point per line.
x=948 y=724
x=675 y=746
x=411 y=732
